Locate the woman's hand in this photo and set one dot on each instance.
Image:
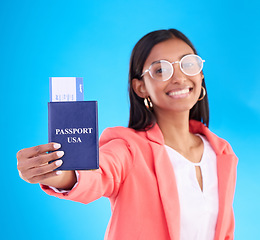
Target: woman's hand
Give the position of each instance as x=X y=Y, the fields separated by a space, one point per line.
x=34 y=167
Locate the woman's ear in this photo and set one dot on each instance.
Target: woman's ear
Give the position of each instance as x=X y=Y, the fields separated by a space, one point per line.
x=202 y=75
x=139 y=88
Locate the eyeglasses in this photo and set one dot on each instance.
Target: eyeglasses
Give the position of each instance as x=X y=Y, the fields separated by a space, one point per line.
x=162 y=70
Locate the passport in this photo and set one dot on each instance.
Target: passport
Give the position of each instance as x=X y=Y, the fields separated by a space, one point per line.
x=74 y=124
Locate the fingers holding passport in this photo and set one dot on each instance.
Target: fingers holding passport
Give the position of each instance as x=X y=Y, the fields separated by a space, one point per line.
x=33 y=163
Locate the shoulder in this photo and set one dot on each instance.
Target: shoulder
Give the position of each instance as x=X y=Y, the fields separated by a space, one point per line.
x=220 y=145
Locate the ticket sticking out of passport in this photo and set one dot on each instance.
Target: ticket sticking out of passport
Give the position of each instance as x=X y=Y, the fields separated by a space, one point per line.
x=73 y=123
x=63 y=89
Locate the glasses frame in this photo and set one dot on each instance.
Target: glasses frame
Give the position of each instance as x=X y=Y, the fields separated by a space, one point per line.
x=171 y=64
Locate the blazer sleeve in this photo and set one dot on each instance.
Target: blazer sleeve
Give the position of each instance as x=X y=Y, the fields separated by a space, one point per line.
x=115 y=162
x=228 y=224
x=230 y=214
x=231 y=227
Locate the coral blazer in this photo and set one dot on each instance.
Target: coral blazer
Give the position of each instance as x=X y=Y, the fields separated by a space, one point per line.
x=137 y=176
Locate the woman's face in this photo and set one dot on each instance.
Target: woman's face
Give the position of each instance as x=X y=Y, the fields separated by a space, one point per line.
x=179 y=93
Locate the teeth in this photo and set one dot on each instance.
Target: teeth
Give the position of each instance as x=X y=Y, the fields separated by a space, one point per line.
x=184 y=91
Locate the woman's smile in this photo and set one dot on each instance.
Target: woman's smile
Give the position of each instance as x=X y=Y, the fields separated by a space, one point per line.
x=180 y=92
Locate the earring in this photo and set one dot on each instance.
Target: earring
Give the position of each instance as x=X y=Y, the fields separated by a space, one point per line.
x=204 y=93
x=148 y=103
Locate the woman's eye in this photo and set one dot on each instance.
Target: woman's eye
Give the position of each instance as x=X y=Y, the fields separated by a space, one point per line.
x=188 y=65
x=161 y=70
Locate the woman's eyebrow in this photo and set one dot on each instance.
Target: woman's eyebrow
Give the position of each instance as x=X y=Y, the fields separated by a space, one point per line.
x=184 y=55
x=158 y=61
x=179 y=58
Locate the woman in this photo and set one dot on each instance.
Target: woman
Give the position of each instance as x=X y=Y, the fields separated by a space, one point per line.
x=166 y=175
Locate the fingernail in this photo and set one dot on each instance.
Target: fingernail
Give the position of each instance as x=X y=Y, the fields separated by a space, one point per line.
x=59 y=162
x=58 y=172
x=60 y=153
x=56 y=145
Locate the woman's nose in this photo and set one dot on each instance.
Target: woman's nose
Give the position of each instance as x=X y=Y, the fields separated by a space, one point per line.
x=178 y=76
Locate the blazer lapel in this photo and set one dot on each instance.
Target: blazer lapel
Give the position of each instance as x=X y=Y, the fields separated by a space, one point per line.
x=225 y=169
x=166 y=182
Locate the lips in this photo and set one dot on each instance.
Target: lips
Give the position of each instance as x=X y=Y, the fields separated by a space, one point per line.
x=179 y=93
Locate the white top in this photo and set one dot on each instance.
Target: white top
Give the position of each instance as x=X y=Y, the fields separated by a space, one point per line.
x=198 y=209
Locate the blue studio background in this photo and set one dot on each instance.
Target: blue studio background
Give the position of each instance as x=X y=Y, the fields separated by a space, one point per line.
x=93 y=40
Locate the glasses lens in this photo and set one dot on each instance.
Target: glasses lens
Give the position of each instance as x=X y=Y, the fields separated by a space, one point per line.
x=191 y=65
x=161 y=70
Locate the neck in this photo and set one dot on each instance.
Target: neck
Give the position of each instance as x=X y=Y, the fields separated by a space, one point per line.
x=175 y=129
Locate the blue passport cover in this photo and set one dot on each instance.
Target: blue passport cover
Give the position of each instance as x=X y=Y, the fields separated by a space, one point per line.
x=75 y=126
